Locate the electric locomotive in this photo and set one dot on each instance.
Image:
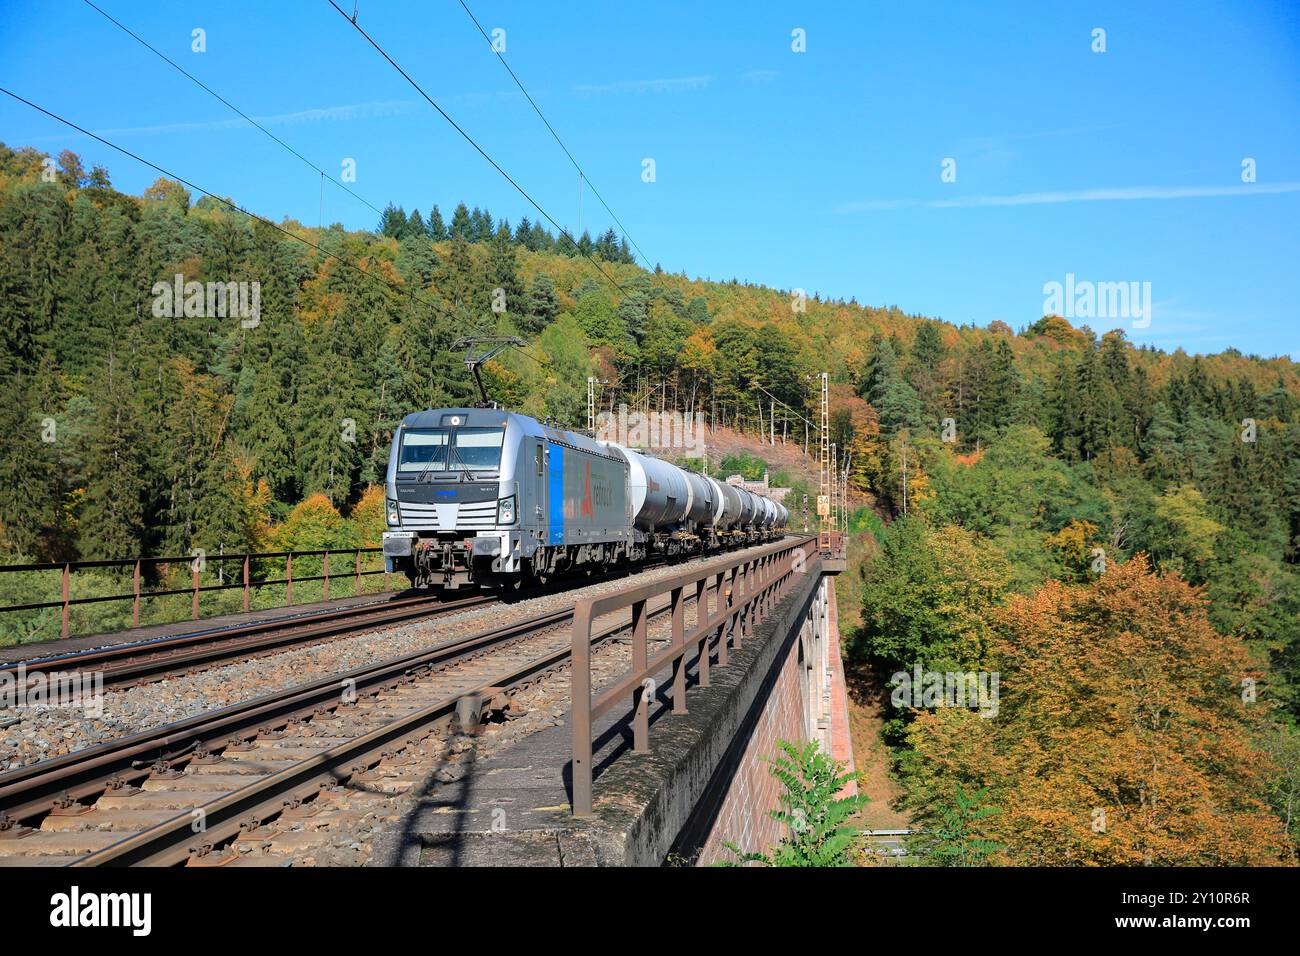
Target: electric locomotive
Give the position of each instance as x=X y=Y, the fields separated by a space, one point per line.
x=489 y=497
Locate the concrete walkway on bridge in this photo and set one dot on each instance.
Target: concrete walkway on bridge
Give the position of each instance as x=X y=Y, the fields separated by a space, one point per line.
x=514 y=809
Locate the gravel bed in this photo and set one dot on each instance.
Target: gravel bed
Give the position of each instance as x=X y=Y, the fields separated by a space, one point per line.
x=31 y=655
x=43 y=731
x=349 y=841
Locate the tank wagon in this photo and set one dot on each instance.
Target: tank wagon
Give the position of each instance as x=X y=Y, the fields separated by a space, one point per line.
x=484 y=496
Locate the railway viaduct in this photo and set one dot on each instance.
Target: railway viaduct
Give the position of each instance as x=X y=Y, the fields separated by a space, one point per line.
x=652 y=706
x=666 y=763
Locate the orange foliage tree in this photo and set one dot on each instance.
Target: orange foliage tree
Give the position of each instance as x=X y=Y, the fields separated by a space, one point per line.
x=1125 y=733
x=367 y=518
x=313 y=524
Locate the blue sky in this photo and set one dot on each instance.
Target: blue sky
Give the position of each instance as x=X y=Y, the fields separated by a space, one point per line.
x=819 y=170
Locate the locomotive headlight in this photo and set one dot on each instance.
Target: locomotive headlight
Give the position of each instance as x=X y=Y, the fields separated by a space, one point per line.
x=506 y=510
x=393 y=517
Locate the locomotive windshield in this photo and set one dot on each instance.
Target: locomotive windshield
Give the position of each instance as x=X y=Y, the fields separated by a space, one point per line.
x=450 y=449
x=476 y=449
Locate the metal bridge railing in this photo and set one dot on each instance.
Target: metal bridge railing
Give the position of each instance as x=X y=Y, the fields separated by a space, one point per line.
x=731 y=597
x=244 y=580
x=831 y=544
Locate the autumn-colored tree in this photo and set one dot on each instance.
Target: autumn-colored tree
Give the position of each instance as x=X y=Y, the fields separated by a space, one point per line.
x=855 y=429
x=367 y=519
x=926 y=598
x=1075 y=544
x=312 y=525
x=1124 y=735
x=1181 y=532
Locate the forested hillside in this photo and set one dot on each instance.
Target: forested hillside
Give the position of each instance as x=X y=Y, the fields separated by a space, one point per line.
x=171 y=432
x=1114 y=524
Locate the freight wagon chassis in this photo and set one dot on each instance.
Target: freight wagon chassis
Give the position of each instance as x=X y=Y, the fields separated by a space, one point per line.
x=551 y=561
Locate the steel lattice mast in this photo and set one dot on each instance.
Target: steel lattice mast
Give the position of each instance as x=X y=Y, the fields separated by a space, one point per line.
x=824 y=489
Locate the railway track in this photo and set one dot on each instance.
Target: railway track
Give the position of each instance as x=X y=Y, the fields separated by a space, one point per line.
x=143 y=662
x=185 y=792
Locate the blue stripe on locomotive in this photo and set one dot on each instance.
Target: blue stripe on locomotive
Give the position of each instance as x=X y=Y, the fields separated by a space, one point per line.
x=556 y=486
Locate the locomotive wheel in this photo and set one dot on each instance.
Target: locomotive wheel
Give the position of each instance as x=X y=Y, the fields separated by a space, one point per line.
x=534 y=578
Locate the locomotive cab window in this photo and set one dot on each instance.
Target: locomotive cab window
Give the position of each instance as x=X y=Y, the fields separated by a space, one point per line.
x=476 y=449
x=423 y=448
x=455 y=449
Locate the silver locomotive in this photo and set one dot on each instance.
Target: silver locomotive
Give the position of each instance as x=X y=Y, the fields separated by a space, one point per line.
x=484 y=496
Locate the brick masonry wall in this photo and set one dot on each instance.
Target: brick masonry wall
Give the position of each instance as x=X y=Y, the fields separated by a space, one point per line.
x=796 y=708
x=841 y=742
x=743 y=818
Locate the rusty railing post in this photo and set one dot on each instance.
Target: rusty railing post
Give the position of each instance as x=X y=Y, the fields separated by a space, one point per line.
x=640 y=699
x=63 y=627
x=580 y=702
x=746 y=611
x=356 y=588
x=288 y=574
x=679 y=645
x=765 y=588
x=701 y=616
x=245 y=583
x=135 y=595
x=726 y=600
x=326 y=572
x=732 y=631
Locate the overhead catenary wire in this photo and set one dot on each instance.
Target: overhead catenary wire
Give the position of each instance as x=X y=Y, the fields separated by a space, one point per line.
x=583 y=177
x=479 y=149
x=213 y=93
x=795 y=411
x=323 y=174
x=226 y=202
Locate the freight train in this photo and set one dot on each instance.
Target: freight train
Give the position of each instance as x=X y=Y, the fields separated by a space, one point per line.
x=488 y=497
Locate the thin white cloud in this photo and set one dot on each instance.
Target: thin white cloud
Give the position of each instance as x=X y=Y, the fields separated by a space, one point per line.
x=759 y=76
x=1115 y=194
x=328 y=114
x=679 y=84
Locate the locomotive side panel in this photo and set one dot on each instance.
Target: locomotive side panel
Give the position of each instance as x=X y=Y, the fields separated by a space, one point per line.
x=587 y=497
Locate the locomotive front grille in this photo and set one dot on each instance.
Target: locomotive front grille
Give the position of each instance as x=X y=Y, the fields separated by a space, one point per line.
x=454 y=516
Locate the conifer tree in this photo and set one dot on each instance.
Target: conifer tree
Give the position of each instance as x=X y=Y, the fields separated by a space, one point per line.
x=885 y=388
x=461 y=227
x=502 y=275
x=28 y=470
x=436 y=228
x=524 y=232
x=543 y=305
x=393 y=222
x=633 y=313
x=112 y=515
x=415 y=227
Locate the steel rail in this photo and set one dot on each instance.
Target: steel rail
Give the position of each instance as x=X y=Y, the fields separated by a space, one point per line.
x=138 y=661
x=28 y=793
x=155 y=659
x=171 y=841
